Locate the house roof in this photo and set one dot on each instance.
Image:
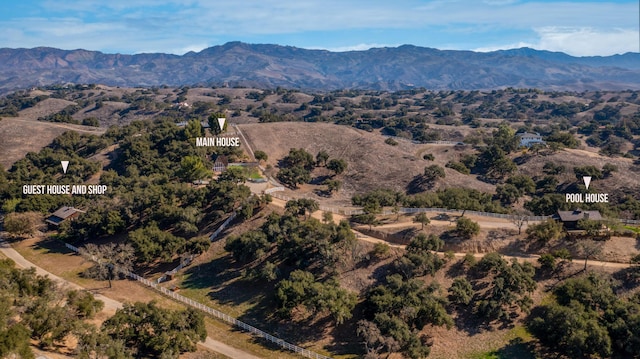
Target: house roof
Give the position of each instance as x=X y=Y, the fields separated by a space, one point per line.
x=201 y=182
x=527 y=134
x=65 y=212
x=62 y=215
x=578 y=214
x=221 y=159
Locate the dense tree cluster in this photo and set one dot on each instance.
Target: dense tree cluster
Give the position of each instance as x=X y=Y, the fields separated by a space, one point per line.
x=150 y=194
x=587 y=319
x=545 y=232
x=309 y=247
x=420 y=258
x=303 y=243
x=506 y=287
x=296 y=167
x=147 y=330
x=21 y=224
x=12 y=103
x=396 y=311
x=451 y=198
x=302 y=289
x=455 y=198
x=34 y=310
x=466 y=228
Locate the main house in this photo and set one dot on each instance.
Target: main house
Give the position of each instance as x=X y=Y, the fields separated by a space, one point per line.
x=529 y=139
x=221 y=163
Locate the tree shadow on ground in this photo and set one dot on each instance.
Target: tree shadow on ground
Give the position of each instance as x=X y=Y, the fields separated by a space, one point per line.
x=628 y=277
x=456 y=270
x=225 y=284
x=219 y=276
x=52 y=245
x=322 y=193
x=319 y=180
x=346 y=342
x=295 y=331
x=419 y=184
x=516 y=348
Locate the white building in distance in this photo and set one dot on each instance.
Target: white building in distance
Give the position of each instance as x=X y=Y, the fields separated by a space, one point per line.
x=529 y=139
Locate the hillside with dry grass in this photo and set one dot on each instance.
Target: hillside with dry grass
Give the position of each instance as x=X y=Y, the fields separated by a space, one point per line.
x=373 y=164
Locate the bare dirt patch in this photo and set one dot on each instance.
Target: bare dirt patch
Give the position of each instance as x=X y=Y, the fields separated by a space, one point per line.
x=45 y=107
x=19 y=136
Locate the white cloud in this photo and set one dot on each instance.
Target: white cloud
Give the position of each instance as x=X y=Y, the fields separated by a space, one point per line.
x=500 y=2
x=190 y=47
x=358 y=47
x=582 y=41
x=277 y=16
x=516 y=45
x=588 y=41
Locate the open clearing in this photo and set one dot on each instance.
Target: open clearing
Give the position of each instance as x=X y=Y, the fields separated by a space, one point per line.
x=19 y=136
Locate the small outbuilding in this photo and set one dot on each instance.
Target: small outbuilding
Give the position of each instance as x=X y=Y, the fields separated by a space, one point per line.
x=63 y=214
x=570 y=219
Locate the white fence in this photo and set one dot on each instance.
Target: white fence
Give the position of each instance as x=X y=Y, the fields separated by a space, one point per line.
x=188 y=261
x=473 y=213
x=223 y=226
x=356 y=211
x=273 y=190
x=217 y=314
x=459 y=143
x=629 y=221
x=349 y=212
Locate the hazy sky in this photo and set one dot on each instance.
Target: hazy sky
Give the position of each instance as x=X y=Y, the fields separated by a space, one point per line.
x=177 y=26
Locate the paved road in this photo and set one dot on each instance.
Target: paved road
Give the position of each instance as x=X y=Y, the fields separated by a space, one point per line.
x=111 y=305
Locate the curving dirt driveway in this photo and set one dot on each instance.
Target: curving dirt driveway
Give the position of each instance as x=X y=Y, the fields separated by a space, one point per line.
x=533 y=258
x=111 y=305
x=484 y=223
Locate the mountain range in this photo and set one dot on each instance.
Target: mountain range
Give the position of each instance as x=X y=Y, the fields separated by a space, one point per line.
x=269 y=66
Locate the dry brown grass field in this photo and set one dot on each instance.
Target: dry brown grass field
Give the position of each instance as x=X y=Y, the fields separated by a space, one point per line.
x=23 y=134
x=372 y=163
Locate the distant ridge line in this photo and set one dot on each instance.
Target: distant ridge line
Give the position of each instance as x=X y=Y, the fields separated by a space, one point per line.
x=270 y=66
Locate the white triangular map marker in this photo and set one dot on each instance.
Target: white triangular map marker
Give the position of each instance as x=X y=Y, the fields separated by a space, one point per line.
x=587 y=181
x=65 y=164
x=221 y=121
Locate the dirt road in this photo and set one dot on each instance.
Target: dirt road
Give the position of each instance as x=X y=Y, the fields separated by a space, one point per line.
x=111 y=305
x=68 y=126
x=533 y=258
x=484 y=223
